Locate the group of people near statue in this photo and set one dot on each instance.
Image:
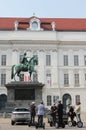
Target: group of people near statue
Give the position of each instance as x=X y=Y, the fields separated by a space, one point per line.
x=39 y=111
x=74 y=111
x=57 y=109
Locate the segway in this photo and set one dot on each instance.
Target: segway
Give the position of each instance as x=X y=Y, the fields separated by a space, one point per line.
x=71 y=123
x=79 y=124
x=31 y=123
x=57 y=125
x=40 y=126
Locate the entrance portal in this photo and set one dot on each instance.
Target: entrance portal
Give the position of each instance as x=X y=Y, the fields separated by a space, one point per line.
x=3 y=100
x=66 y=100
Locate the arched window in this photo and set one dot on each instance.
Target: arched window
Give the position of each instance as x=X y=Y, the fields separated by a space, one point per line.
x=49 y=100
x=34 y=25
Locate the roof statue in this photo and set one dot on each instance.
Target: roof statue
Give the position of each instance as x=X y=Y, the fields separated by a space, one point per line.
x=25 y=66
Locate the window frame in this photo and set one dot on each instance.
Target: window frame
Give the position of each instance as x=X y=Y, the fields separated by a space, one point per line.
x=48 y=60
x=66 y=79
x=49 y=100
x=65 y=60
x=3 y=79
x=76 y=60
x=76 y=79
x=3 y=60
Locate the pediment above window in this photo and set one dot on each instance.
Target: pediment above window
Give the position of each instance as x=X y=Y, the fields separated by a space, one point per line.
x=35 y=24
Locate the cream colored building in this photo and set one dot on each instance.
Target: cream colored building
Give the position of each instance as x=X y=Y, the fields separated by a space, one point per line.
x=61 y=48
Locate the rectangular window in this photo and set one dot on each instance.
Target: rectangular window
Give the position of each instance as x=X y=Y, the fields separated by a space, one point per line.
x=77 y=98
x=85 y=79
x=76 y=60
x=35 y=76
x=76 y=76
x=49 y=100
x=3 y=79
x=55 y=99
x=20 y=58
x=85 y=76
x=21 y=77
x=85 y=60
x=3 y=60
x=65 y=60
x=48 y=60
x=66 y=79
x=48 y=79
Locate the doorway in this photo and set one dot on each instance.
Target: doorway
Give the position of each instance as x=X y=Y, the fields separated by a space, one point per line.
x=66 y=100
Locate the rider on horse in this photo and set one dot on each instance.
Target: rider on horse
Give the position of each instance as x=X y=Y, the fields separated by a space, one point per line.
x=24 y=63
x=24 y=66
x=24 y=60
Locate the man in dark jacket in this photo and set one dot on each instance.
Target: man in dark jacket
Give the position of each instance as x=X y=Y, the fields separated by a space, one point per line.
x=60 y=113
x=33 y=112
x=53 y=112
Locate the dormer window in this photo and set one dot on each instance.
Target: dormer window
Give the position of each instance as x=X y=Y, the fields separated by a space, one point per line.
x=34 y=25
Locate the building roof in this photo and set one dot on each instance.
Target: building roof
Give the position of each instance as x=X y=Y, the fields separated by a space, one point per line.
x=62 y=24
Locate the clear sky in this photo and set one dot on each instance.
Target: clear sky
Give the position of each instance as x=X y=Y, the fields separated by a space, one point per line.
x=43 y=8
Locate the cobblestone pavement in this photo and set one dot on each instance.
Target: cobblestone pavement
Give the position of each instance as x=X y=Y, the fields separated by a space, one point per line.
x=5 y=124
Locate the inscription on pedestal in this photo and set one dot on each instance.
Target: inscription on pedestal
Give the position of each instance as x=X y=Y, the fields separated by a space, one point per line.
x=23 y=93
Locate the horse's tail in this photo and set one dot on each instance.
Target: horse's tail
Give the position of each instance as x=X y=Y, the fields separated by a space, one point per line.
x=12 y=72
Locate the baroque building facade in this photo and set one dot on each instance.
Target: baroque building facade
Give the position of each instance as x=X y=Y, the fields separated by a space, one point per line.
x=60 y=45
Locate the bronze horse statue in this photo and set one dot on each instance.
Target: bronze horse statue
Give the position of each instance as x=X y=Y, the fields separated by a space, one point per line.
x=29 y=67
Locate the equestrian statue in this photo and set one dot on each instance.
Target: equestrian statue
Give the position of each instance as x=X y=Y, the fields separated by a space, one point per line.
x=24 y=66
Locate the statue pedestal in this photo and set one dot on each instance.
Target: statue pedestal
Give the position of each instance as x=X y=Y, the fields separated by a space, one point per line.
x=23 y=93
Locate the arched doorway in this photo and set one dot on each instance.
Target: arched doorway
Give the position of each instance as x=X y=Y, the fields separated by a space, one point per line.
x=66 y=100
x=3 y=100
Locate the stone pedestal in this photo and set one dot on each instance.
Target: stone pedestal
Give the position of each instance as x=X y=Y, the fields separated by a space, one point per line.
x=23 y=93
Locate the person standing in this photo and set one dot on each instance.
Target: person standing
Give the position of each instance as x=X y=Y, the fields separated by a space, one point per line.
x=78 y=111
x=60 y=113
x=40 y=113
x=33 y=112
x=53 y=112
x=71 y=113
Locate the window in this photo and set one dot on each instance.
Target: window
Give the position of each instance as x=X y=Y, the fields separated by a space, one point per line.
x=66 y=79
x=49 y=100
x=76 y=61
x=35 y=76
x=65 y=60
x=34 y=25
x=55 y=99
x=85 y=60
x=26 y=77
x=85 y=76
x=48 y=60
x=77 y=98
x=48 y=78
x=76 y=76
x=3 y=60
x=3 y=79
x=20 y=58
x=21 y=77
